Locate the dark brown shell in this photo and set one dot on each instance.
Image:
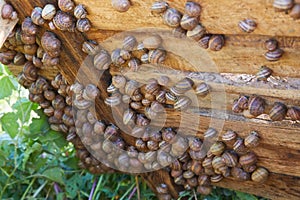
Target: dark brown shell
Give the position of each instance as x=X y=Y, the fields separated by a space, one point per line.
x=248 y=159
x=63 y=21
x=294 y=113
x=271 y=44
x=8 y=12
x=192 y=9
x=216 y=42
x=278 y=111
x=28 y=39
x=28 y=27
x=51 y=43
x=256 y=105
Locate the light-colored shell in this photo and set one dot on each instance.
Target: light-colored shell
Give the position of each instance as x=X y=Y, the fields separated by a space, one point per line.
x=131 y=87
x=260 y=175
x=119 y=81
x=66 y=5
x=116 y=57
x=159 y=7
x=172 y=17
x=36 y=16
x=121 y=5
x=274 y=55
x=63 y=21
x=80 y=11
x=188 y=23
x=8 y=12
x=49 y=12
x=126 y=55
x=102 y=60
x=157 y=56
x=283 y=4
x=192 y=9
x=134 y=64
x=182 y=103
x=113 y=100
x=90 y=47
x=252 y=140
x=83 y=25
x=202 y=89
x=197 y=33
x=247 y=25
x=129 y=43
x=152 y=42
x=179 y=32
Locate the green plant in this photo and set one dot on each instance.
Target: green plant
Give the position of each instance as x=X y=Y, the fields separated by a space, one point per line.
x=38 y=163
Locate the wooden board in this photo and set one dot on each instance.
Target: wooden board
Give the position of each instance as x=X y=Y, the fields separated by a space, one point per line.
x=280 y=138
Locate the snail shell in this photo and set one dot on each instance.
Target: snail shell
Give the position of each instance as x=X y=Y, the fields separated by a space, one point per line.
x=137 y=97
x=192 y=9
x=134 y=64
x=90 y=47
x=195 y=144
x=179 y=32
x=136 y=105
x=188 y=23
x=19 y=59
x=216 y=42
x=157 y=56
x=283 y=4
x=260 y=175
x=50 y=43
x=145 y=58
x=168 y=134
x=131 y=87
x=49 y=12
x=36 y=16
x=252 y=140
x=216 y=178
x=264 y=73
x=30 y=49
x=129 y=43
x=230 y=158
x=243 y=102
x=217 y=148
x=119 y=81
x=294 y=113
x=63 y=21
x=121 y=5
x=182 y=103
x=163 y=158
x=196 y=167
x=161 y=97
x=278 y=111
x=8 y=12
x=210 y=133
x=157 y=107
x=256 y=105
x=30 y=71
x=204 y=180
x=116 y=57
x=188 y=174
x=80 y=11
x=159 y=7
x=202 y=89
x=196 y=33
x=49 y=60
x=295 y=11
x=274 y=55
x=152 y=88
x=83 y=25
x=204 y=190
x=28 y=27
x=126 y=55
x=217 y=162
x=162 y=188
x=111 y=89
x=271 y=44
x=152 y=145
x=181 y=87
x=90 y=92
x=172 y=17
x=66 y=5
x=239 y=146
x=239 y=174
x=129 y=117
x=179 y=146
x=102 y=60
x=113 y=100
x=203 y=42
x=248 y=159
x=247 y=25
x=152 y=42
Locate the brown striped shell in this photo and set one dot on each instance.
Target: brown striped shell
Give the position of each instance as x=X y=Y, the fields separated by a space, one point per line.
x=36 y=16
x=90 y=47
x=216 y=42
x=157 y=56
x=63 y=21
x=283 y=4
x=102 y=60
x=80 y=11
x=295 y=11
x=230 y=158
x=83 y=25
x=28 y=27
x=256 y=105
x=182 y=103
x=188 y=23
x=196 y=33
x=172 y=17
x=159 y=7
x=152 y=42
x=278 y=111
x=294 y=113
x=248 y=159
x=252 y=140
x=247 y=25
x=271 y=44
x=203 y=42
x=192 y=9
x=129 y=43
x=66 y=5
x=217 y=148
x=274 y=55
x=264 y=73
x=260 y=175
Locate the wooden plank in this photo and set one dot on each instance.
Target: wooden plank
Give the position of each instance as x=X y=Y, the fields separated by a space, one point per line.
x=221 y=18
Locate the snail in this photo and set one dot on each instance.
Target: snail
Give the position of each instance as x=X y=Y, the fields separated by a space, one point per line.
x=30 y=49
x=216 y=42
x=90 y=92
x=172 y=17
x=239 y=174
x=264 y=73
x=181 y=87
x=274 y=55
x=182 y=103
x=295 y=11
x=256 y=105
x=252 y=140
x=282 y=5
x=66 y=5
x=230 y=158
x=217 y=148
x=116 y=57
x=204 y=41
x=247 y=25
x=243 y=102
x=129 y=117
x=162 y=188
x=239 y=146
x=152 y=42
x=157 y=56
x=129 y=43
x=134 y=64
x=102 y=60
x=278 y=111
x=28 y=27
x=131 y=87
x=196 y=33
x=48 y=12
x=113 y=100
x=188 y=23
x=202 y=89
x=126 y=55
x=80 y=11
x=248 y=159
x=192 y=9
x=36 y=16
x=90 y=47
x=271 y=44
x=64 y=21
x=8 y=12
x=159 y=7
x=121 y=5
x=179 y=32
x=83 y=25
x=294 y=113
x=19 y=59
x=260 y=175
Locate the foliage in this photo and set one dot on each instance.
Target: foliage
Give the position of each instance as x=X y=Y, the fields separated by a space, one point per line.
x=38 y=163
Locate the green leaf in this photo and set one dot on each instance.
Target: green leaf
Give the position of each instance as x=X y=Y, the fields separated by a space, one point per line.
x=10 y=124
x=24 y=107
x=38 y=126
x=245 y=196
x=50 y=136
x=55 y=174
x=36 y=147
x=7 y=87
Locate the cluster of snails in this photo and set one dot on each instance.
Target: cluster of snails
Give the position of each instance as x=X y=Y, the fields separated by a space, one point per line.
x=289 y=7
x=254 y=106
x=247 y=25
x=121 y=5
x=231 y=156
x=68 y=18
x=187 y=24
x=273 y=53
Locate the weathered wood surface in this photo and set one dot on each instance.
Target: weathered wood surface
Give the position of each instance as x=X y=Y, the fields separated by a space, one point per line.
x=280 y=144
